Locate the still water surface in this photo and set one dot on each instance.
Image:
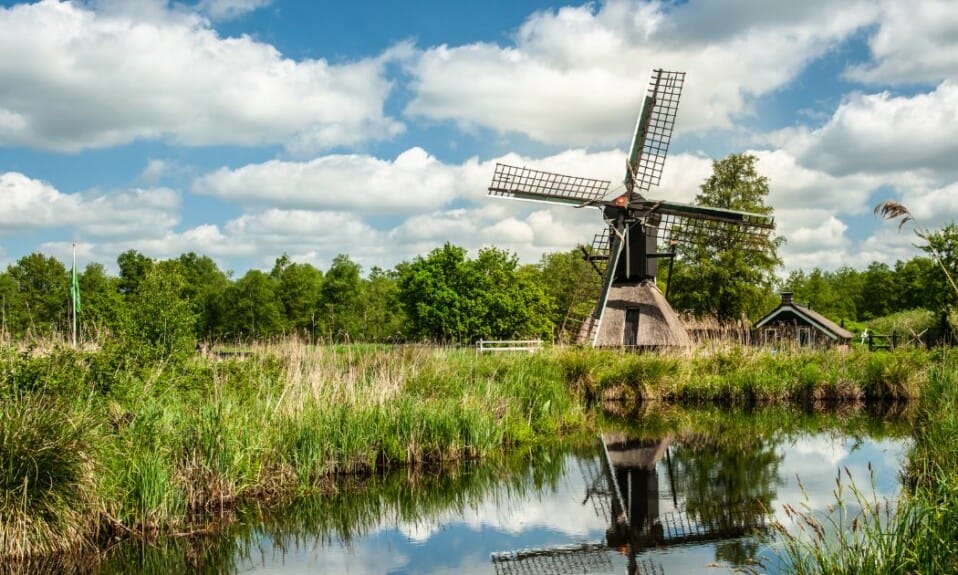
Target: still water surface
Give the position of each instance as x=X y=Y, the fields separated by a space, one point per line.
x=629 y=503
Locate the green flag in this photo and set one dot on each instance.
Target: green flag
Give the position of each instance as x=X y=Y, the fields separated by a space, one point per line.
x=75 y=290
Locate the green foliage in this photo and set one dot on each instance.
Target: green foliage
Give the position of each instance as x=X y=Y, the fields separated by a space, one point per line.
x=104 y=309
x=161 y=323
x=449 y=297
x=560 y=275
x=40 y=303
x=203 y=287
x=384 y=319
x=133 y=267
x=721 y=278
x=340 y=299
x=298 y=287
x=251 y=308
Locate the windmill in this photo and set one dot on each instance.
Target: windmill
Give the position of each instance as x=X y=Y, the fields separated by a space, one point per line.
x=629 y=309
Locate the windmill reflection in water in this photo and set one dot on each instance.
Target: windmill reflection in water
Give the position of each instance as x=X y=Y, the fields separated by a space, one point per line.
x=623 y=487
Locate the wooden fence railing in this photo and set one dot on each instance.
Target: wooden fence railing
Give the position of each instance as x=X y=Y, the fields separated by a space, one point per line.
x=491 y=346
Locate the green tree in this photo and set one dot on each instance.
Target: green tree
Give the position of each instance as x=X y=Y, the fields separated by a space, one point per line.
x=205 y=285
x=435 y=292
x=43 y=287
x=451 y=298
x=11 y=307
x=103 y=307
x=943 y=245
x=298 y=287
x=251 y=308
x=878 y=291
x=340 y=300
x=721 y=277
x=133 y=267
x=920 y=283
x=511 y=301
x=560 y=274
x=161 y=321
x=383 y=316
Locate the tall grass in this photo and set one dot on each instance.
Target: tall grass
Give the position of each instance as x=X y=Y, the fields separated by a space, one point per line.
x=48 y=480
x=105 y=440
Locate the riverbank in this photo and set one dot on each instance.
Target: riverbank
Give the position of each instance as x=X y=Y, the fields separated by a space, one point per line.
x=98 y=445
x=920 y=534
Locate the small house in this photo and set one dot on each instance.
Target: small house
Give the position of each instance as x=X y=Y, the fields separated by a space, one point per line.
x=798 y=323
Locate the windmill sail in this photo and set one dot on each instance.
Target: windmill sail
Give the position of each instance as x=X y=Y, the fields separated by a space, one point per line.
x=688 y=223
x=653 y=131
x=528 y=184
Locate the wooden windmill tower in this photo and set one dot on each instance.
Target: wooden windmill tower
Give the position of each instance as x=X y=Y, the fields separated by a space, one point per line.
x=629 y=309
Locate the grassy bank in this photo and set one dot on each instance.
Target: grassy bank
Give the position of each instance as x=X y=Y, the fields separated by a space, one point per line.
x=101 y=444
x=920 y=535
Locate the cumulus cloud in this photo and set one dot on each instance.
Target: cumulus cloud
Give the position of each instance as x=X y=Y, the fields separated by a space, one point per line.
x=914 y=43
x=76 y=78
x=576 y=75
x=415 y=180
x=30 y=204
x=882 y=133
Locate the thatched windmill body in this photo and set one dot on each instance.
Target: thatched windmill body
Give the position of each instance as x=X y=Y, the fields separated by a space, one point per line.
x=629 y=309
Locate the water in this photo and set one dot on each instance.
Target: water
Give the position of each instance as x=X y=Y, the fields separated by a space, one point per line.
x=682 y=502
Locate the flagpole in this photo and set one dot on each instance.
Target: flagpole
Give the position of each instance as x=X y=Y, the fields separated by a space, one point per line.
x=73 y=294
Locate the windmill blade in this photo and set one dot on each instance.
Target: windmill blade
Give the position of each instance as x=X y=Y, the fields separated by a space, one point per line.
x=653 y=130
x=537 y=185
x=688 y=223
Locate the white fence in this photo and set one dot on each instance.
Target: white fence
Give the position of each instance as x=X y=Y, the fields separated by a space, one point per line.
x=489 y=346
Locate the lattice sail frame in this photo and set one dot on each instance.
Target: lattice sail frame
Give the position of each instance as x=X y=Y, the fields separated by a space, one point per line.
x=687 y=223
x=653 y=130
x=528 y=184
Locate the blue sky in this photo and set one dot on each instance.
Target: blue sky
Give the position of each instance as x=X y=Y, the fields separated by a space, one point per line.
x=243 y=129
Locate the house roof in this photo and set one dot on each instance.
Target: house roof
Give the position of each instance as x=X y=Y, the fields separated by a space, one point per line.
x=825 y=325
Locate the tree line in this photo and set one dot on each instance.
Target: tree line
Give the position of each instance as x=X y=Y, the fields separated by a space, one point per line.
x=446 y=295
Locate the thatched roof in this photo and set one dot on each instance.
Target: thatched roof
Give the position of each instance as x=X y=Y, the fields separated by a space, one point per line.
x=659 y=325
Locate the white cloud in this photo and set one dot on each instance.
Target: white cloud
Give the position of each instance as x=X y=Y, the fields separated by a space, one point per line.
x=577 y=75
x=415 y=180
x=881 y=133
x=76 y=79
x=914 y=43
x=229 y=9
x=29 y=204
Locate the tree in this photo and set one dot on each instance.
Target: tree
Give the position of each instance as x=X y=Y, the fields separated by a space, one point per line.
x=251 y=308
x=919 y=284
x=559 y=275
x=204 y=286
x=511 y=301
x=133 y=267
x=340 y=299
x=451 y=298
x=878 y=291
x=383 y=317
x=43 y=289
x=161 y=322
x=943 y=246
x=720 y=277
x=103 y=306
x=298 y=287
